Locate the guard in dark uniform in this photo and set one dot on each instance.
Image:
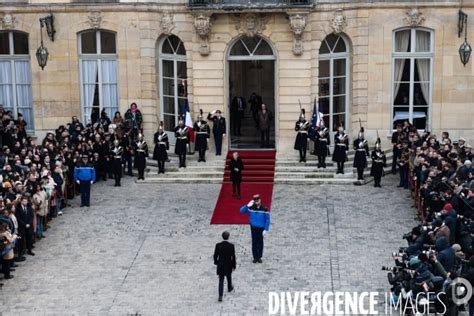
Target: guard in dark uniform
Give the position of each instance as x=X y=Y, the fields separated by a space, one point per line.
x=379 y=161
x=341 y=141
x=162 y=144
x=116 y=153
x=322 y=142
x=218 y=129
x=397 y=138
x=141 y=154
x=180 y=149
x=302 y=127
x=203 y=132
x=361 y=153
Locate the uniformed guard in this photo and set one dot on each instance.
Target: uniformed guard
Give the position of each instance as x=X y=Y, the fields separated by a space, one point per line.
x=361 y=153
x=379 y=161
x=116 y=153
x=302 y=127
x=180 y=149
x=341 y=141
x=322 y=142
x=203 y=132
x=162 y=144
x=141 y=154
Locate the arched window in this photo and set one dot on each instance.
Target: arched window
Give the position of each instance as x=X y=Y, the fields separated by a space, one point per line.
x=15 y=75
x=412 y=73
x=173 y=82
x=334 y=81
x=98 y=74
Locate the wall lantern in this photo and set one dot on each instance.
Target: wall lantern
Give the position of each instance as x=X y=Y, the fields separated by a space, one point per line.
x=42 y=52
x=465 y=49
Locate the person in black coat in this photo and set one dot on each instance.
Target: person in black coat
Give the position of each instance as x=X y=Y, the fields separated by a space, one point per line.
x=203 y=132
x=397 y=138
x=24 y=216
x=302 y=127
x=379 y=161
x=218 y=129
x=182 y=139
x=322 y=142
x=224 y=259
x=141 y=155
x=341 y=142
x=162 y=144
x=237 y=110
x=236 y=166
x=361 y=152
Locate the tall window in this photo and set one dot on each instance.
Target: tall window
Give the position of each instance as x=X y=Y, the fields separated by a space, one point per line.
x=334 y=81
x=412 y=72
x=15 y=75
x=173 y=83
x=98 y=71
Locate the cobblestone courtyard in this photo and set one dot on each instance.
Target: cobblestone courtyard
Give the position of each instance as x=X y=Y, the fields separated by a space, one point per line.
x=147 y=249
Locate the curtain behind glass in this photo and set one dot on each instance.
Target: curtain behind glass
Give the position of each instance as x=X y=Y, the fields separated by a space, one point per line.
x=6 y=94
x=23 y=91
x=402 y=40
x=423 y=65
x=109 y=87
x=89 y=75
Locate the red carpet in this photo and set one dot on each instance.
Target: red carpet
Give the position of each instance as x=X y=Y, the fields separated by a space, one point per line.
x=257 y=177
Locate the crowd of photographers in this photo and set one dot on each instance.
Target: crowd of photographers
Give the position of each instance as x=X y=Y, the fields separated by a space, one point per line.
x=439 y=172
x=37 y=176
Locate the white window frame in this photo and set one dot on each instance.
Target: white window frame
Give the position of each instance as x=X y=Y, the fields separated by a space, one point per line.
x=411 y=56
x=175 y=58
x=99 y=57
x=12 y=58
x=331 y=57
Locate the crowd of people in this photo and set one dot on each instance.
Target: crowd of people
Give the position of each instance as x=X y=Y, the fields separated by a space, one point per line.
x=38 y=177
x=439 y=173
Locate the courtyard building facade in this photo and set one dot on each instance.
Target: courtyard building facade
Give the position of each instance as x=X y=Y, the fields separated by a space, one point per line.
x=374 y=63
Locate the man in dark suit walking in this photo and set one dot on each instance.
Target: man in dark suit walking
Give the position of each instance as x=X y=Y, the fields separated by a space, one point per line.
x=218 y=129
x=224 y=259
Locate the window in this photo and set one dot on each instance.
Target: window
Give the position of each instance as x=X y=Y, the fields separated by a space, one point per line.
x=15 y=75
x=173 y=82
x=412 y=72
x=99 y=74
x=334 y=81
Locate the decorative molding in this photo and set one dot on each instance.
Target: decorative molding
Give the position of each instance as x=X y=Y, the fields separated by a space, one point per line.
x=8 y=21
x=297 y=25
x=251 y=24
x=414 y=18
x=338 y=21
x=167 y=23
x=202 y=25
x=95 y=19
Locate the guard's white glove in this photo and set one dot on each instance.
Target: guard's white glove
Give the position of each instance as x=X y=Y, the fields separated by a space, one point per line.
x=78 y=182
x=264 y=232
x=250 y=204
x=92 y=182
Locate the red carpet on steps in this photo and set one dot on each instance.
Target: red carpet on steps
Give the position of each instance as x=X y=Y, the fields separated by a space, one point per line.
x=257 y=177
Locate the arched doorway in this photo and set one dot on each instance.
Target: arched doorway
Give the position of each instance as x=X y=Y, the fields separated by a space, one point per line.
x=251 y=64
x=334 y=81
x=172 y=82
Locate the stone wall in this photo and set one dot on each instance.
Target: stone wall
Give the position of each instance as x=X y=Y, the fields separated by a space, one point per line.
x=139 y=28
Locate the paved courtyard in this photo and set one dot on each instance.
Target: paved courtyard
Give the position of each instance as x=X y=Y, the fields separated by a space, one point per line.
x=147 y=249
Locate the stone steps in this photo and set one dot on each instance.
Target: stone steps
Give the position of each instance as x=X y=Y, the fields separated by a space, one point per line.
x=287 y=171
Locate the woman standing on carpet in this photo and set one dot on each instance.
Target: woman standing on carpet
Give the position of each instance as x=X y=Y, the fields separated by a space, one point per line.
x=236 y=166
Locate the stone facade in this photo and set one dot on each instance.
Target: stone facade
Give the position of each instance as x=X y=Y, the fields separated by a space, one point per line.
x=295 y=35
